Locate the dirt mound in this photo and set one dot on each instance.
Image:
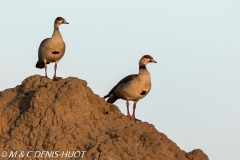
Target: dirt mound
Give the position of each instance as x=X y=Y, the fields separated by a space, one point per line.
x=42 y=119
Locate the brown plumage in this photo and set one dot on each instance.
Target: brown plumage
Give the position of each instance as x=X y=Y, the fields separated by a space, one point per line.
x=113 y=98
x=133 y=87
x=52 y=49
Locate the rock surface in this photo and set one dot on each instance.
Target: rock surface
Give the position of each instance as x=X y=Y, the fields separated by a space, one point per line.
x=41 y=115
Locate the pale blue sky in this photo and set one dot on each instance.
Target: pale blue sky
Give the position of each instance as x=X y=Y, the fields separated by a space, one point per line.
x=196 y=83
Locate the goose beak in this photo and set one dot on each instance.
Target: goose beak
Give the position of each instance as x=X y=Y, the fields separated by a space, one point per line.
x=65 y=22
x=153 y=61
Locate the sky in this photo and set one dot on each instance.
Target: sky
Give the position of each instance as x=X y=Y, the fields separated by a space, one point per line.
x=195 y=92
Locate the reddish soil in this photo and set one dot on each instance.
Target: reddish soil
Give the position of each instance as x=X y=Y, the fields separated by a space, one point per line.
x=42 y=115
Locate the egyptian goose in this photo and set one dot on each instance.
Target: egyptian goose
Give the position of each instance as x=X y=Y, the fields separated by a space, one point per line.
x=52 y=49
x=133 y=87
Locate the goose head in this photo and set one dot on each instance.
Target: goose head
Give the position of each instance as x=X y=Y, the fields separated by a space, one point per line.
x=146 y=59
x=58 y=21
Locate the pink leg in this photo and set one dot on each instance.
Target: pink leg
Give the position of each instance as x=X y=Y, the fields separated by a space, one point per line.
x=45 y=66
x=134 y=108
x=129 y=116
x=55 y=78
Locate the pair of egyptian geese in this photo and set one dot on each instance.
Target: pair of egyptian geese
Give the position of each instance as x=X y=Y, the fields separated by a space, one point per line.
x=131 y=88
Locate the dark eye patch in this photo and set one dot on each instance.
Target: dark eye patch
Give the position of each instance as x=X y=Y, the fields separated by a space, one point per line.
x=147 y=57
x=59 y=18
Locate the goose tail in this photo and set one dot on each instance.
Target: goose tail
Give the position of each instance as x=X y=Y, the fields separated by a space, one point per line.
x=39 y=64
x=112 y=98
